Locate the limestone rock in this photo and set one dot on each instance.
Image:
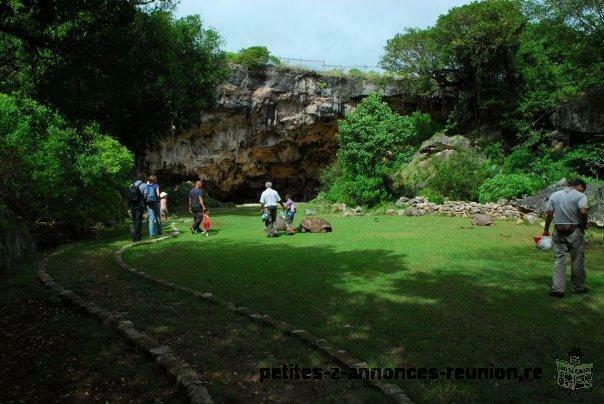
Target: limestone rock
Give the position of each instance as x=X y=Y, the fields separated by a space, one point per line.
x=273 y=124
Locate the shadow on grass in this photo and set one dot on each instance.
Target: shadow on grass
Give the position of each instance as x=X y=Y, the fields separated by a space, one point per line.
x=492 y=309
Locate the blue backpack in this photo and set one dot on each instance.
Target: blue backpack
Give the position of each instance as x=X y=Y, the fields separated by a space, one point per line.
x=150 y=194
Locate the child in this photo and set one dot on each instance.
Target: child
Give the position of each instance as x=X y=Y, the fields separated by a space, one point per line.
x=206 y=223
x=290 y=211
x=163 y=206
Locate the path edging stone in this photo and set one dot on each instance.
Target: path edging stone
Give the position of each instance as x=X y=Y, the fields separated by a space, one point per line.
x=186 y=377
x=339 y=355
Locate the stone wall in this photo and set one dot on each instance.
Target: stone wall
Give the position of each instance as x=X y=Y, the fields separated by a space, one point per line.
x=501 y=210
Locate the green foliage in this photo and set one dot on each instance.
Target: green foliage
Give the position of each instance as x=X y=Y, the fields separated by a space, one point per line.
x=372 y=134
x=468 y=54
x=520 y=159
x=508 y=63
x=373 y=140
x=254 y=57
x=140 y=73
x=508 y=186
x=357 y=189
x=458 y=176
x=55 y=174
x=586 y=159
x=432 y=195
x=330 y=175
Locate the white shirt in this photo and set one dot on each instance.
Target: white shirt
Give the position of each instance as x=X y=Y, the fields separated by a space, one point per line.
x=270 y=197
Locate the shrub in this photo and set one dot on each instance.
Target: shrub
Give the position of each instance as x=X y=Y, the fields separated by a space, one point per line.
x=357 y=190
x=329 y=175
x=52 y=173
x=586 y=159
x=432 y=195
x=508 y=186
x=519 y=160
x=458 y=176
x=254 y=57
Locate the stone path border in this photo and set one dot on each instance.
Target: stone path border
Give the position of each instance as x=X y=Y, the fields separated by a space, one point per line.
x=339 y=355
x=184 y=374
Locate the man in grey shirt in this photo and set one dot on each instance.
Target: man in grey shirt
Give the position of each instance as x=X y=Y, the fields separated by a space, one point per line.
x=568 y=209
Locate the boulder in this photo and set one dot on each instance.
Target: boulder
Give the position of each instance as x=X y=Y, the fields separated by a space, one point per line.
x=482 y=220
x=390 y=212
x=584 y=115
x=441 y=142
x=310 y=212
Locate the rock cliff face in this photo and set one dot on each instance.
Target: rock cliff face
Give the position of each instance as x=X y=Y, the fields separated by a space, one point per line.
x=269 y=124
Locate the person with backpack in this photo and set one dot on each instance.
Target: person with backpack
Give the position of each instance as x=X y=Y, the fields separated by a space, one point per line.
x=152 y=201
x=136 y=202
x=268 y=205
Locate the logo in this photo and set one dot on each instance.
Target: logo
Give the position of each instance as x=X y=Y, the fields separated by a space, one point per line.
x=574 y=375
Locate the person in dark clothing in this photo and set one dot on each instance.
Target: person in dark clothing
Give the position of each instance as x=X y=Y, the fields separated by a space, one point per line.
x=136 y=193
x=196 y=206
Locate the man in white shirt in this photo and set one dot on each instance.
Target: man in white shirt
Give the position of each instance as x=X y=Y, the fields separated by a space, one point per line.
x=269 y=200
x=568 y=210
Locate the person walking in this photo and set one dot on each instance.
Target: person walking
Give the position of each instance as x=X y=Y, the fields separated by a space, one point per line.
x=152 y=201
x=136 y=202
x=568 y=209
x=196 y=206
x=269 y=200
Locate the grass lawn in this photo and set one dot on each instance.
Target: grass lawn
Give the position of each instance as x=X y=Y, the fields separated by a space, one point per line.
x=404 y=291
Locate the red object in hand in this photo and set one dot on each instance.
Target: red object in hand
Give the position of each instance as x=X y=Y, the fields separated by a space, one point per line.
x=206 y=223
x=537 y=240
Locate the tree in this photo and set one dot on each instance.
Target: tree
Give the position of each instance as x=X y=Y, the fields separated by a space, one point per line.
x=254 y=57
x=53 y=175
x=129 y=65
x=372 y=139
x=469 y=55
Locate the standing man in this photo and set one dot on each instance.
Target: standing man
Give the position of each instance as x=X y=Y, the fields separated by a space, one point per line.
x=136 y=192
x=196 y=206
x=568 y=208
x=268 y=203
x=152 y=200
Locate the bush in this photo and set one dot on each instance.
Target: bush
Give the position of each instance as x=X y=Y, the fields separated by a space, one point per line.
x=519 y=160
x=458 y=176
x=54 y=174
x=508 y=186
x=330 y=175
x=357 y=190
x=432 y=195
x=586 y=159
x=253 y=57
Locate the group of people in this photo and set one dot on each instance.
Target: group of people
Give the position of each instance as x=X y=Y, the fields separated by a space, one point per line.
x=567 y=209
x=146 y=197
x=269 y=201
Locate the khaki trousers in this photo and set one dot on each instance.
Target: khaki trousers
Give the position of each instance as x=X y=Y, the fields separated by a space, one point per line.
x=573 y=243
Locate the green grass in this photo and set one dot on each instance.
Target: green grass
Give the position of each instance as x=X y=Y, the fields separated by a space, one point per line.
x=225 y=348
x=396 y=291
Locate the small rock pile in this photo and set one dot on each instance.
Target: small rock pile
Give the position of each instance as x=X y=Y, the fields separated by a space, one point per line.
x=501 y=210
x=347 y=210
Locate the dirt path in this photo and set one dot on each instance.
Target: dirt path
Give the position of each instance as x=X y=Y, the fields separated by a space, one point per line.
x=52 y=353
